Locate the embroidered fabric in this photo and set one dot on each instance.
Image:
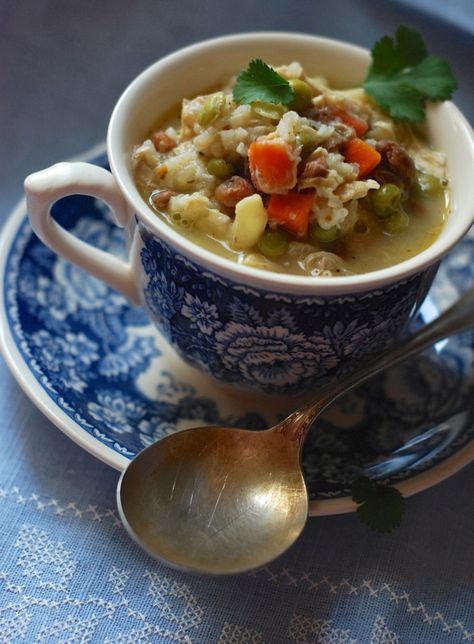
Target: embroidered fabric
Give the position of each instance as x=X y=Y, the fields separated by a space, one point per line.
x=69 y=573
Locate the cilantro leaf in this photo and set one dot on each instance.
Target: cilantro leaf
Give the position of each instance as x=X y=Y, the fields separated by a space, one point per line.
x=259 y=82
x=402 y=102
x=402 y=77
x=380 y=506
x=407 y=50
x=431 y=77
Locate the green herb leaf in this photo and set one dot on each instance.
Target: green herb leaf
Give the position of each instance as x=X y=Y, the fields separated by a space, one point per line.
x=259 y=82
x=380 y=506
x=402 y=77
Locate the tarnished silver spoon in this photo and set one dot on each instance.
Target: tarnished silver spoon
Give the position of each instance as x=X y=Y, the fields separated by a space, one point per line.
x=221 y=500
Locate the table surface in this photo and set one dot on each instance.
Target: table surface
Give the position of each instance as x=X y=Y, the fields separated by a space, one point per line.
x=68 y=572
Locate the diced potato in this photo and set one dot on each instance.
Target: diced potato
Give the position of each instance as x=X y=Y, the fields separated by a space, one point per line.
x=249 y=223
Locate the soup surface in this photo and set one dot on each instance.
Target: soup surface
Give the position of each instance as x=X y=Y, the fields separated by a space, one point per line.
x=328 y=185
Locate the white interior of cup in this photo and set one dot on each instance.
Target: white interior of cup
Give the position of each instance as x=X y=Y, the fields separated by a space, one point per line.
x=202 y=67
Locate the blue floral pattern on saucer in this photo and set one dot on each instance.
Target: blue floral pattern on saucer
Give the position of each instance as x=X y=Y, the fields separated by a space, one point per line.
x=106 y=367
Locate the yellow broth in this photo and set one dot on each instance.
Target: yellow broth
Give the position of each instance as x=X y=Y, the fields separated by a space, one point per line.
x=362 y=252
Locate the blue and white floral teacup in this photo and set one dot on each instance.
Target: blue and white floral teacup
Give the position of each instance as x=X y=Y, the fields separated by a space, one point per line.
x=246 y=327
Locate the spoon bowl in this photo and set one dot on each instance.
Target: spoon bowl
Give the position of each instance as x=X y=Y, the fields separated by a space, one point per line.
x=221 y=500
x=215 y=499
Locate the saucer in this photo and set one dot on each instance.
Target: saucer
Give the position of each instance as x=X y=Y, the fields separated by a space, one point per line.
x=96 y=367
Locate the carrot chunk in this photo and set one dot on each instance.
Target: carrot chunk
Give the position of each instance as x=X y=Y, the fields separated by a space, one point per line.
x=360 y=126
x=360 y=152
x=273 y=165
x=291 y=211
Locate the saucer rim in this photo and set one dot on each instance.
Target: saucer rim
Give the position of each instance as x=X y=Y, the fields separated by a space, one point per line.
x=22 y=373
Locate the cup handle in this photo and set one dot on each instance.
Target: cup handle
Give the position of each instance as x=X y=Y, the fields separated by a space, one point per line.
x=44 y=188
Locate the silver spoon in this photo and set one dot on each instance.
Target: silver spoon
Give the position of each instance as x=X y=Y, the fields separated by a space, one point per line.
x=221 y=500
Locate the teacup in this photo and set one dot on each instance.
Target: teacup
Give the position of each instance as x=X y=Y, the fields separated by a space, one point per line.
x=271 y=332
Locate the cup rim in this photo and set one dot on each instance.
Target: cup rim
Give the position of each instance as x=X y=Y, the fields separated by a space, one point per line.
x=246 y=275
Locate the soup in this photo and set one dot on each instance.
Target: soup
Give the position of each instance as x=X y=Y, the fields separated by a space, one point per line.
x=327 y=185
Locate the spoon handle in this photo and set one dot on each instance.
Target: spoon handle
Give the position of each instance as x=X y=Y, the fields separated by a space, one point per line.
x=459 y=317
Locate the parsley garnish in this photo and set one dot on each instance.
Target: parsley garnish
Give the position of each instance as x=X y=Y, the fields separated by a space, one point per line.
x=402 y=77
x=259 y=82
x=380 y=506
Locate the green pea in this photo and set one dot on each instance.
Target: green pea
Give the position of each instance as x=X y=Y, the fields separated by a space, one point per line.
x=211 y=109
x=273 y=243
x=273 y=111
x=220 y=168
x=396 y=222
x=427 y=185
x=303 y=95
x=386 y=200
x=308 y=140
x=319 y=234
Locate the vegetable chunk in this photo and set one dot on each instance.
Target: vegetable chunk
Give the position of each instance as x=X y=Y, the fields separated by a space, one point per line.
x=291 y=211
x=362 y=153
x=249 y=223
x=273 y=165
